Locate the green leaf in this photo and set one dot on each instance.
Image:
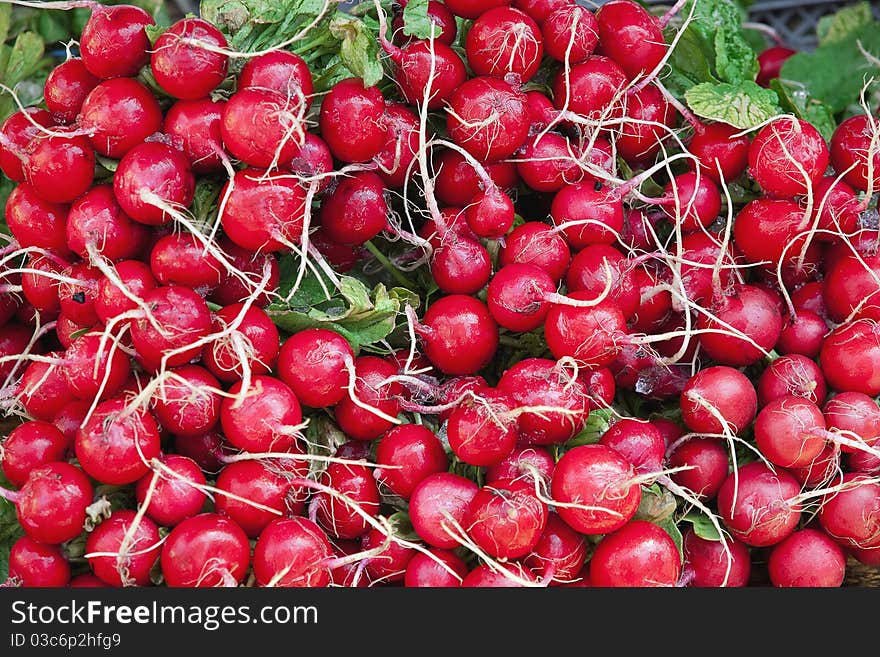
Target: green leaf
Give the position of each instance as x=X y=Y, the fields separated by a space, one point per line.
x=53 y=26
x=597 y=424
x=154 y=32
x=839 y=25
x=743 y=105
x=691 y=62
x=359 y=49
x=668 y=524
x=719 y=26
x=797 y=102
x=10 y=531
x=5 y=21
x=24 y=59
x=416 y=21
x=703 y=527
x=401 y=526
x=836 y=72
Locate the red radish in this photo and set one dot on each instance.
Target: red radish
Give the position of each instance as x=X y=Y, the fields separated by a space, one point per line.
x=718 y=398
x=837 y=207
x=205 y=550
x=517 y=296
x=852 y=515
x=655 y=304
x=313 y=158
x=425 y=571
x=117 y=443
x=570 y=34
x=187 y=403
x=802 y=335
x=542 y=112
x=712 y=566
x=69 y=419
x=488 y=117
x=312 y=363
x=490 y=214
x=598 y=267
x=589 y=335
x=420 y=63
x=504 y=41
x=264 y=483
x=505 y=519
x=540 y=10
x=18 y=131
x=638 y=554
x=707 y=458
x=14 y=339
x=758 y=505
x=206 y=450
x=638 y=442
x=693 y=201
x=175 y=497
x=721 y=154
x=111 y=301
x=823 y=469
x=292 y=552
x=339 y=515
x=454 y=391
x=89 y=370
x=67 y=330
x=559 y=554
x=43 y=390
x=482 y=432
x=523 y=462
x=458 y=334
x=510 y=576
x=549 y=163
x=792 y=375
x=371 y=388
x=136 y=549
x=537 y=244
x=96 y=220
x=591 y=89
x=787 y=157
x=789 y=431
x=267 y=420
x=351 y=121
x=851 y=288
x=59 y=168
x=770 y=61
x=862 y=462
x=51 y=506
x=854 y=413
x=457 y=181
x=152 y=173
x=114 y=42
x=437 y=499
x=184 y=319
x=764 y=227
x=473 y=8
x=807 y=558
x=66 y=88
x=35 y=222
x=77 y=299
x=444 y=28
x=264 y=212
x=253 y=343
x=461 y=265
x=639 y=143
x=32 y=564
x=356 y=211
x=703 y=249
x=196 y=124
x=750 y=312
x=545 y=384
x=401 y=145
x=30 y=445
x=118 y=115
x=848 y=357
x=182 y=65
x=180 y=259
x=390 y=564
x=281 y=71
x=631 y=37
x=232 y=290
x=414 y=451
x=86 y=580
x=851 y=144
x=597 y=477
x=600 y=387
x=587 y=213
x=262 y=128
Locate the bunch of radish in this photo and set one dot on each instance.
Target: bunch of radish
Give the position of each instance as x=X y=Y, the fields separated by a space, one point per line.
x=163 y=421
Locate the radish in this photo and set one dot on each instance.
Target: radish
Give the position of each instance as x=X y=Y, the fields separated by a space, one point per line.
x=461 y=265
x=313 y=158
x=114 y=43
x=196 y=125
x=116 y=444
x=570 y=34
x=638 y=554
x=111 y=301
x=51 y=506
x=425 y=571
x=187 y=403
x=787 y=157
x=368 y=383
x=654 y=302
x=422 y=63
x=807 y=558
x=76 y=294
x=399 y=151
x=457 y=181
x=505 y=519
x=59 y=168
x=69 y=419
x=32 y=564
x=439 y=502
x=66 y=87
x=851 y=289
x=509 y=576
x=96 y=224
x=590 y=89
x=848 y=358
x=458 y=335
x=14 y=339
x=588 y=213
x=35 y=222
x=30 y=445
x=764 y=227
x=175 y=495
x=707 y=459
x=262 y=128
x=851 y=515
x=770 y=61
x=352 y=122
x=207 y=450
x=549 y=163
x=694 y=202
x=149 y=175
x=249 y=483
x=444 y=27
x=823 y=469
x=91 y=371
x=750 y=312
x=490 y=214
x=340 y=516
x=790 y=431
x=854 y=413
x=721 y=153
x=559 y=554
x=179 y=259
x=802 y=335
x=639 y=143
x=759 y=506
x=414 y=451
x=595 y=489
x=488 y=117
x=631 y=37
x=252 y=346
x=184 y=319
x=388 y=565
x=836 y=206
x=182 y=65
x=267 y=418
x=473 y=8
x=481 y=431
x=356 y=211
x=598 y=267
x=17 y=132
x=718 y=399
x=517 y=297
x=133 y=541
x=118 y=115
x=537 y=244
x=43 y=389
x=292 y=552
x=589 y=335
x=312 y=363
x=851 y=144
x=792 y=375
x=504 y=41
x=539 y=10
x=205 y=550
x=278 y=70
x=638 y=442
x=523 y=462
x=710 y=563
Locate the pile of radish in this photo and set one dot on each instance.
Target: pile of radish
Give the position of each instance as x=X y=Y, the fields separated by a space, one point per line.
x=626 y=345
